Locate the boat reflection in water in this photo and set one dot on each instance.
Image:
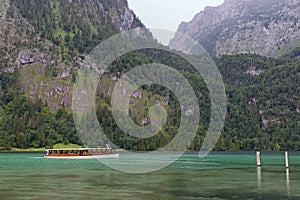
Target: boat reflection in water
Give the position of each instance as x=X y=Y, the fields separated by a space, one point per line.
x=81 y=153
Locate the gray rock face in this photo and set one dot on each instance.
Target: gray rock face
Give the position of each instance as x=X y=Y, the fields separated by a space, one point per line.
x=265 y=27
x=45 y=67
x=29 y=57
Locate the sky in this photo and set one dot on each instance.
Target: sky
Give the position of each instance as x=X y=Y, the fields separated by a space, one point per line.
x=168 y=14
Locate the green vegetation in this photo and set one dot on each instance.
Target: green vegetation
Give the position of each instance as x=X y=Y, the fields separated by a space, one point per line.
x=262 y=108
x=262 y=93
x=41 y=149
x=27 y=150
x=262 y=112
x=75 y=27
x=25 y=124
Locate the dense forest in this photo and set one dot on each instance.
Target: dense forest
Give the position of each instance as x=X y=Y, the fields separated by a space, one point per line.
x=25 y=124
x=262 y=108
x=263 y=105
x=76 y=27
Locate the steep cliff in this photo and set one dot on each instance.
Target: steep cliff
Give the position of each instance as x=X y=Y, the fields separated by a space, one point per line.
x=46 y=41
x=267 y=27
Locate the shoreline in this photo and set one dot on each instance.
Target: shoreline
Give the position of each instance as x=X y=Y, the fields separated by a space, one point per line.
x=42 y=150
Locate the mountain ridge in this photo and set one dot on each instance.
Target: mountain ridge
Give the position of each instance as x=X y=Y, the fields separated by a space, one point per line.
x=268 y=27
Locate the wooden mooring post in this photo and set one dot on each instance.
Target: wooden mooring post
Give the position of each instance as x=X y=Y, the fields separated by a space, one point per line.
x=287 y=159
x=258 y=161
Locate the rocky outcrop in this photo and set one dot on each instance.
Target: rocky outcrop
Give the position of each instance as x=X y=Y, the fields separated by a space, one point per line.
x=39 y=38
x=30 y=56
x=266 y=27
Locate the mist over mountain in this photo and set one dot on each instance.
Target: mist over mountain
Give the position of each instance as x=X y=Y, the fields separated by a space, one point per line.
x=265 y=27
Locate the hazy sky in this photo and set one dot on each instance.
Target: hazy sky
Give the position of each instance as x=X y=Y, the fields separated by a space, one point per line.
x=168 y=14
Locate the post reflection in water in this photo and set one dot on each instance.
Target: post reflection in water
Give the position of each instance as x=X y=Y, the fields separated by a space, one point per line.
x=288 y=181
x=259 y=178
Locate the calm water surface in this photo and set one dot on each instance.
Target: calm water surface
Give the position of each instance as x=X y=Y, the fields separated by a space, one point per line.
x=218 y=176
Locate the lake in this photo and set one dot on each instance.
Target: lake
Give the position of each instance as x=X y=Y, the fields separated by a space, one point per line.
x=221 y=175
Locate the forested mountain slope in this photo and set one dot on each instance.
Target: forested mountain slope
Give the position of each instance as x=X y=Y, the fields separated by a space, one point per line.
x=47 y=41
x=43 y=43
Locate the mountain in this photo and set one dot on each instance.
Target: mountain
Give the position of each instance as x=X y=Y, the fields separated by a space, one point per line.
x=46 y=41
x=265 y=27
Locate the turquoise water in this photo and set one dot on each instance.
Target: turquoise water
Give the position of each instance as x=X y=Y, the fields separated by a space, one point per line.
x=218 y=176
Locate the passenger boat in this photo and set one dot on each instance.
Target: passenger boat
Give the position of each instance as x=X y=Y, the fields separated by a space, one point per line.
x=81 y=153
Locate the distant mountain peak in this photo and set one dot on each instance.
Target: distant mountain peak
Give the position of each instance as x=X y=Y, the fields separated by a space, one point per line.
x=267 y=27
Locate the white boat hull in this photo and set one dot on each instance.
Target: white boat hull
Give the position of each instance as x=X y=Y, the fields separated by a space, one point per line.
x=115 y=155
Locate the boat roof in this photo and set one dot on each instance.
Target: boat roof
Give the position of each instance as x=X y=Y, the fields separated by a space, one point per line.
x=75 y=149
